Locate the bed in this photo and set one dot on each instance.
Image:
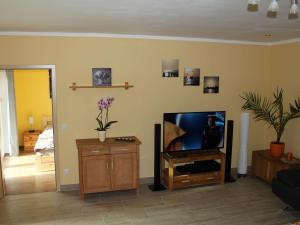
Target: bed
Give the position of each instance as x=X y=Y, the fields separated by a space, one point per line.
x=44 y=147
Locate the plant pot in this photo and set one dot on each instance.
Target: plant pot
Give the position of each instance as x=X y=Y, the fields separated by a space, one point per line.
x=277 y=149
x=102 y=135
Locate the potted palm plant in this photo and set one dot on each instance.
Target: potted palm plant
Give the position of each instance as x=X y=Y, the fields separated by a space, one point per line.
x=272 y=112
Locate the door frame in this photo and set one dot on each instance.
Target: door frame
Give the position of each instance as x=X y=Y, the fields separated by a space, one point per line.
x=52 y=70
x=2 y=181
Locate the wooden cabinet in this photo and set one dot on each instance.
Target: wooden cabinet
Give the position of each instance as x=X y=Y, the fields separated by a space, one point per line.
x=107 y=166
x=265 y=166
x=29 y=139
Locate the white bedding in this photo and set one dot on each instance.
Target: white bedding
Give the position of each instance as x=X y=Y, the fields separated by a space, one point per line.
x=45 y=140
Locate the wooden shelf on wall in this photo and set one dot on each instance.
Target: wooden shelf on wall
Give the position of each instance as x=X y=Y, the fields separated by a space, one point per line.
x=126 y=86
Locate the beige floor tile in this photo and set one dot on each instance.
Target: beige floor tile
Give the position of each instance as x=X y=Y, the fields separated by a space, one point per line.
x=246 y=202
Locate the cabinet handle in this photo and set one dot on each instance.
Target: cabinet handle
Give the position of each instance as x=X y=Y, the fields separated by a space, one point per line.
x=95 y=151
x=185 y=181
x=107 y=166
x=112 y=164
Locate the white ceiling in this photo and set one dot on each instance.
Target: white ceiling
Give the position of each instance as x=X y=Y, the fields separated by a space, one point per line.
x=214 y=19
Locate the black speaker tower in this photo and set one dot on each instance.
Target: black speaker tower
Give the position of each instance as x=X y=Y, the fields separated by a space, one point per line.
x=228 y=177
x=157 y=186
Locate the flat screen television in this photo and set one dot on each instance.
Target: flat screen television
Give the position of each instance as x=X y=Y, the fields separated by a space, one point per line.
x=193 y=131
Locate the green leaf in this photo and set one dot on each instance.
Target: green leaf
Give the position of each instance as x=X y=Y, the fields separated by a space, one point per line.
x=100 y=124
x=108 y=124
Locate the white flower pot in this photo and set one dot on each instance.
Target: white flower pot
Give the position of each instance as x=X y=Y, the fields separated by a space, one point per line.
x=102 y=135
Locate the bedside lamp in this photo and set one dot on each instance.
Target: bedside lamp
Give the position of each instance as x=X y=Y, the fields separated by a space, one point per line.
x=31 y=122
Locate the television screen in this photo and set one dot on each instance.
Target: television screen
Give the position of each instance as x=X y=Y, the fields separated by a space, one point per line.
x=193 y=131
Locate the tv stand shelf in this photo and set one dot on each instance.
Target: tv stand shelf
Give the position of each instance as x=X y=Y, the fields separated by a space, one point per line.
x=199 y=169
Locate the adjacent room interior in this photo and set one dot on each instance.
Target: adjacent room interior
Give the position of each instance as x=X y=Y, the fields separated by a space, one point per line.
x=162 y=112
x=29 y=165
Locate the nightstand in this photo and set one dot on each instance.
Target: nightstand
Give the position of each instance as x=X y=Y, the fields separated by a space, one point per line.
x=29 y=140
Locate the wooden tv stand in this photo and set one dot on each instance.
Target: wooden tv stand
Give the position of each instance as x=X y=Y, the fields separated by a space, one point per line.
x=179 y=177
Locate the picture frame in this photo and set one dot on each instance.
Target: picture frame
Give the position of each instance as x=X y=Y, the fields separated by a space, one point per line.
x=211 y=85
x=191 y=76
x=101 y=76
x=170 y=68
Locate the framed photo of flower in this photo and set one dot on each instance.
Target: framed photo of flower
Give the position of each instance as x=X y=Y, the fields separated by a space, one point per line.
x=101 y=76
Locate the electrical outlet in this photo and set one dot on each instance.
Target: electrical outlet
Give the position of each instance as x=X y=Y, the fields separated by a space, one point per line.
x=66 y=171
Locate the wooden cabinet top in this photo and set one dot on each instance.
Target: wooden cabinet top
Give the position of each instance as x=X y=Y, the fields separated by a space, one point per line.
x=266 y=154
x=35 y=132
x=108 y=142
x=189 y=157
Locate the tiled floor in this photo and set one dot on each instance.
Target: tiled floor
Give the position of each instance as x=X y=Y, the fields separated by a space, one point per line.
x=248 y=201
x=22 y=176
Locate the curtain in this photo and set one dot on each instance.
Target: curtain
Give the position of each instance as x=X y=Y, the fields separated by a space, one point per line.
x=1 y=127
x=4 y=114
x=12 y=114
x=8 y=117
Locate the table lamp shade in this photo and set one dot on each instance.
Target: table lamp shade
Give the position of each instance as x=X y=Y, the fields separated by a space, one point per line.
x=30 y=120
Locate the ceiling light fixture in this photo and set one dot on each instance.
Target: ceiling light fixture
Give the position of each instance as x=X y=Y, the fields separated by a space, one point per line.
x=253 y=2
x=274 y=7
x=294 y=10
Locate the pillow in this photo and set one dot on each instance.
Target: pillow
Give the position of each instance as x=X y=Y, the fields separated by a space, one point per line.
x=46 y=120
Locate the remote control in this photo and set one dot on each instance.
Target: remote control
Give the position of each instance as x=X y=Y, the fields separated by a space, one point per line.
x=129 y=139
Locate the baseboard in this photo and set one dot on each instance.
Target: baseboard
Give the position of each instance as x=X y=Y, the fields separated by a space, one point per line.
x=69 y=187
x=234 y=171
x=75 y=187
x=144 y=180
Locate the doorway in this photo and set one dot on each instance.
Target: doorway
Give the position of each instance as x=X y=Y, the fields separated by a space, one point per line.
x=31 y=166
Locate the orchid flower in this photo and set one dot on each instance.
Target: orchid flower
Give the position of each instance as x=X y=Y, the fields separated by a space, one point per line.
x=104 y=104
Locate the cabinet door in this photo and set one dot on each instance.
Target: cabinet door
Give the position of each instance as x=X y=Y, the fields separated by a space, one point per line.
x=259 y=166
x=273 y=169
x=96 y=173
x=124 y=171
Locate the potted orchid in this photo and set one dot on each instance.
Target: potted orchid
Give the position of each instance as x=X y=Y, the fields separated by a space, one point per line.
x=103 y=123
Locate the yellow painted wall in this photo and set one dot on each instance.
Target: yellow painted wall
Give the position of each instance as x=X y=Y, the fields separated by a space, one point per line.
x=32 y=99
x=240 y=67
x=286 y=74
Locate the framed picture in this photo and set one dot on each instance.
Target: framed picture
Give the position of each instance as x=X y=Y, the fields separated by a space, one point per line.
x=211 y=85
x=170 y=67
x=191 y=77
x=101 y=76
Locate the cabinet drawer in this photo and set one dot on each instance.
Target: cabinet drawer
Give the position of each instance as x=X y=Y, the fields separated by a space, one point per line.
x=29 y=143
x=94 y=151
x=30 y=138
x=210 y=176
x=28 y=148
x=123 y=149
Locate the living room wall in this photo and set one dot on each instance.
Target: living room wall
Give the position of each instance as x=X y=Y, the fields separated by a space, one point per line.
x=285 y=73
x=138 y=61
